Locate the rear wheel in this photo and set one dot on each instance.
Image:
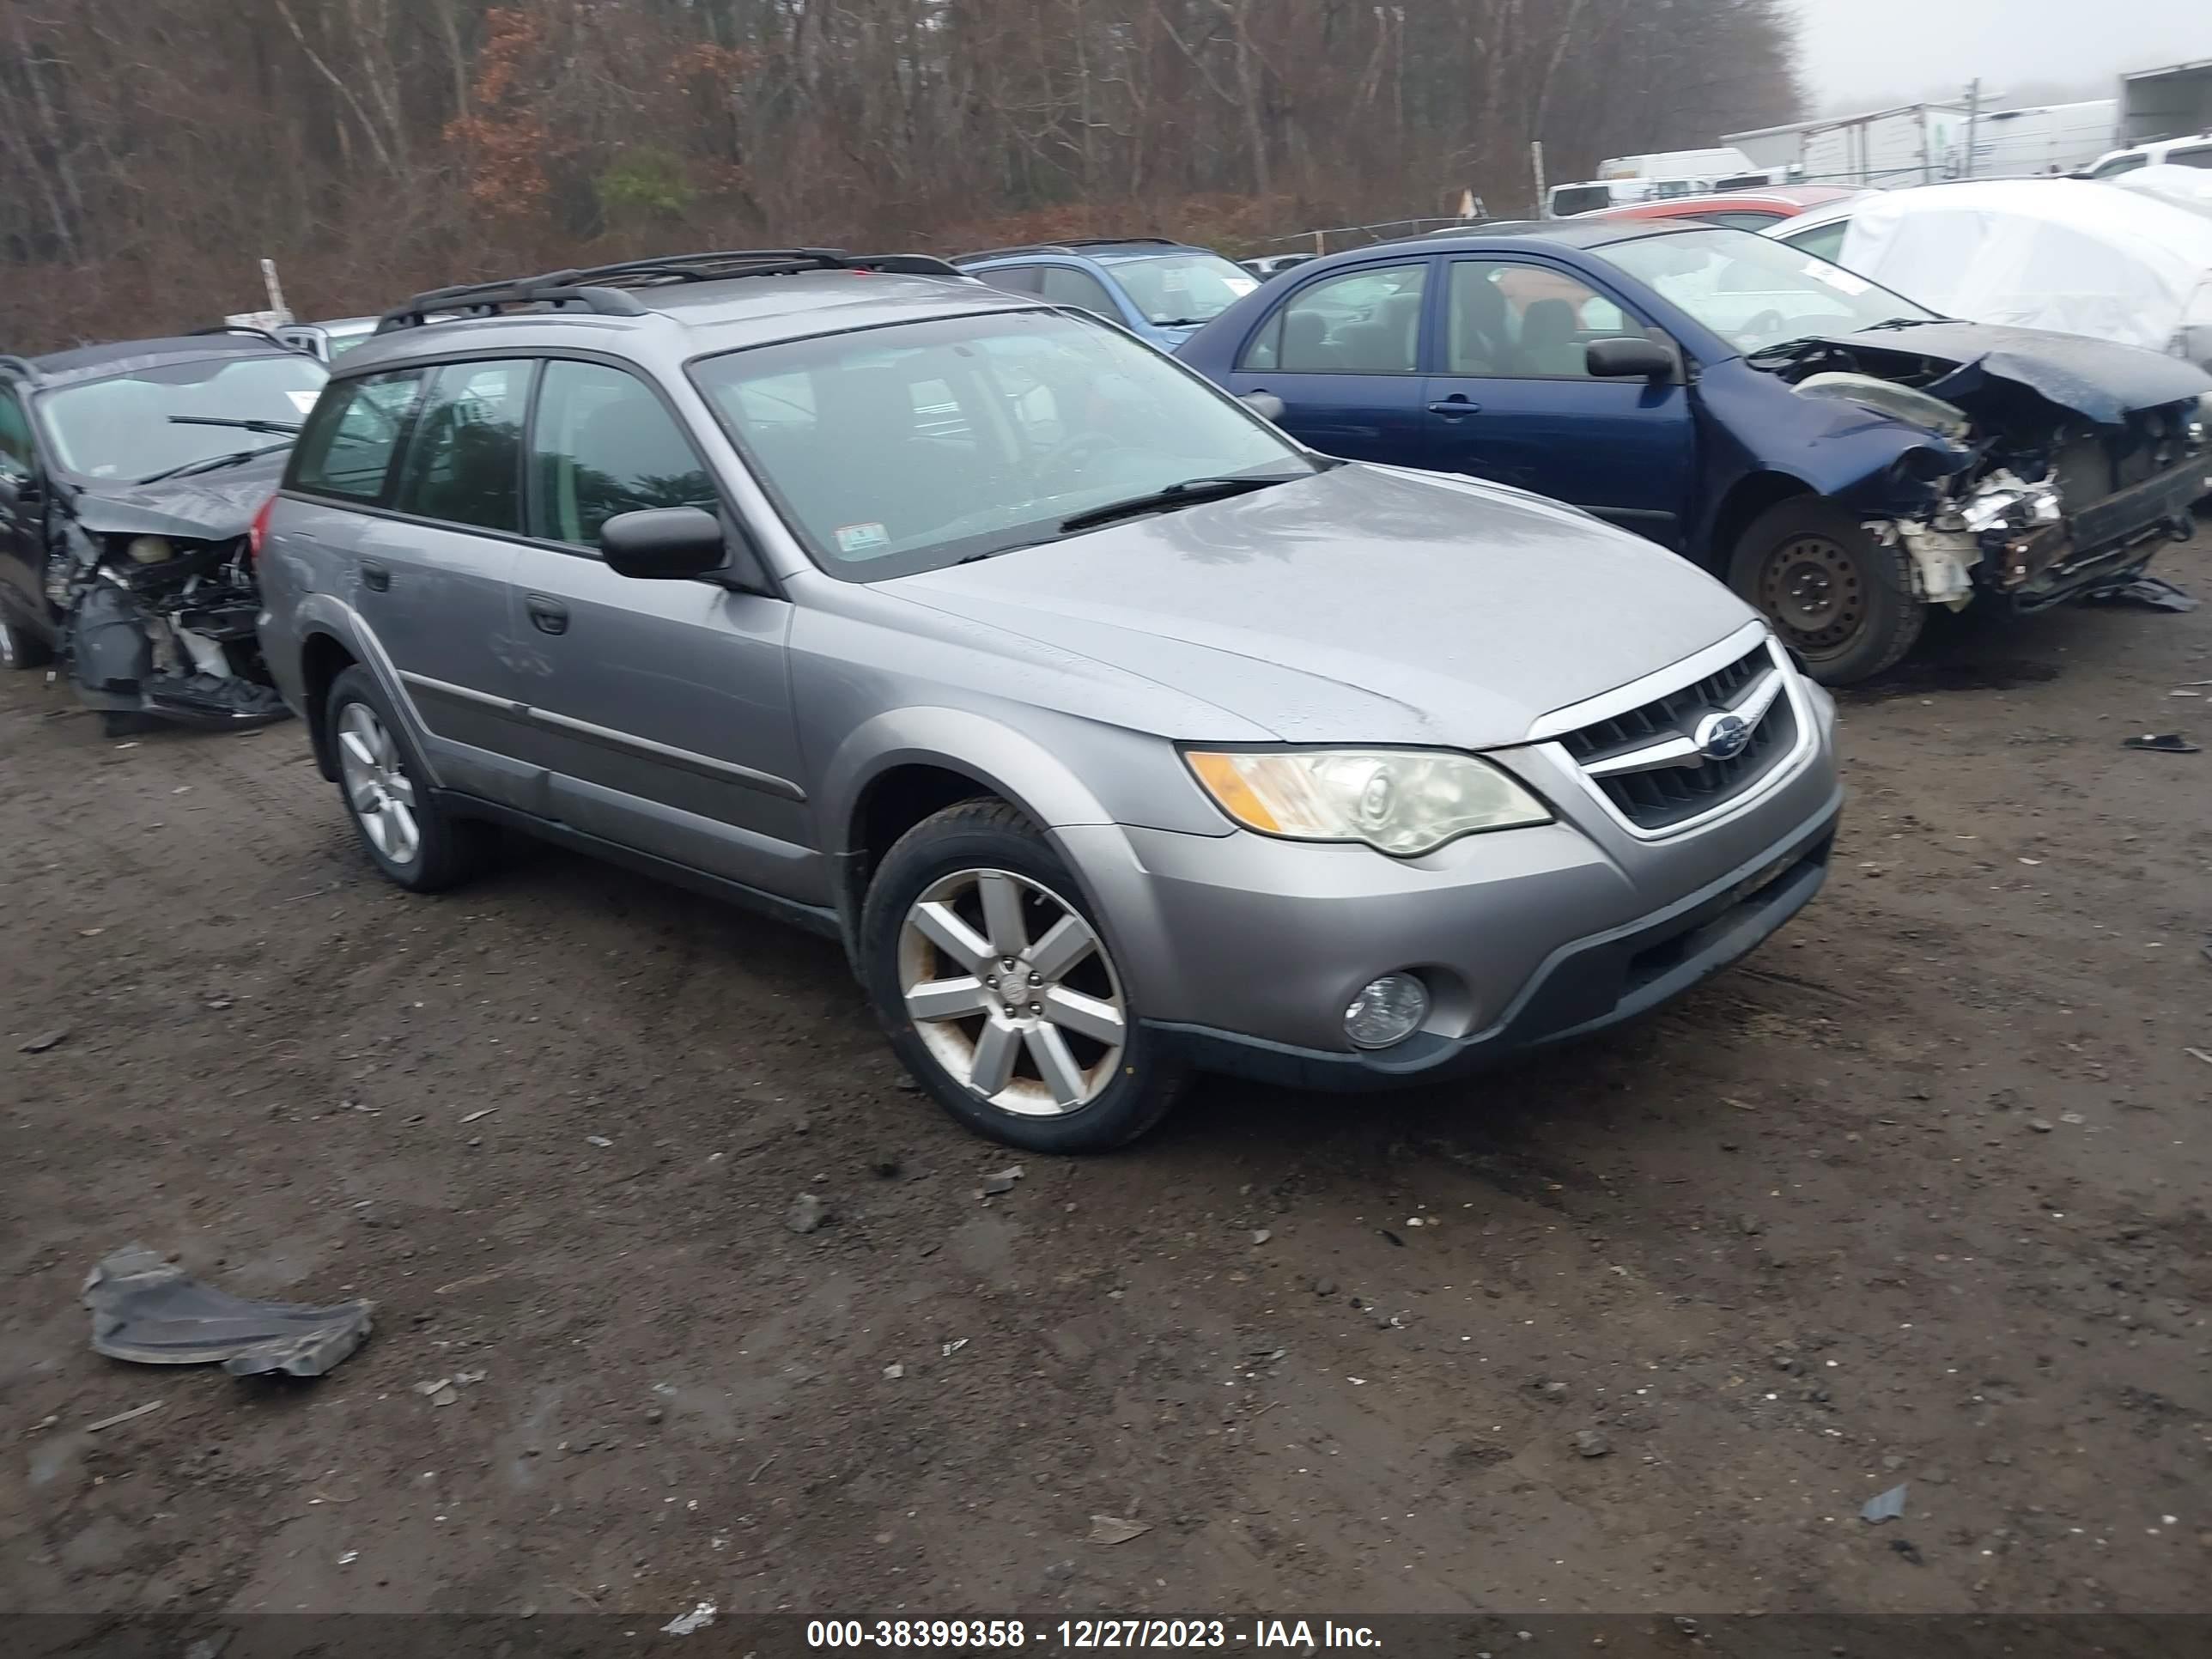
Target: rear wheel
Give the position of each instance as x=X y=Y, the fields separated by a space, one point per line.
x=999 y=990
x=413 y=840
x=1838 y=598
x=21 y=649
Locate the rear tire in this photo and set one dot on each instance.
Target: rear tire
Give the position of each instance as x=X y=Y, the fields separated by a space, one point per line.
x=21 y=649
x=417 y=843
x=1838 y=598
x=1048 y=1054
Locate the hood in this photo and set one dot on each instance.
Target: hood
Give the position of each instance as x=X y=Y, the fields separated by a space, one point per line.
x=1361 y=605
x=212 y=506
x=2096 y=379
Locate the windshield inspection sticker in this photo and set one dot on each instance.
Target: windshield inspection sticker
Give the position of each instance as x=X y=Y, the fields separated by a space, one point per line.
x=302 y=401
x=861 y=537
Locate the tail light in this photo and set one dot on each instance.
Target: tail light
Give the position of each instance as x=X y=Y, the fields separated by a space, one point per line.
x=257 y=531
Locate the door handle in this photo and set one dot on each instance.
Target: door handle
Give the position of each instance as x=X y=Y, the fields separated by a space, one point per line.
x=1452 y=408
x=376 y=576
x=547 y=616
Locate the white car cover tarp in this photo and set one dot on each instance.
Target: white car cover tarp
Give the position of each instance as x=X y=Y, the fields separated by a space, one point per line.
x=2189 y=187
x=2073 y=255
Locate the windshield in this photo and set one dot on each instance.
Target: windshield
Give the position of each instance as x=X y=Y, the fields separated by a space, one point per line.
x=1183 y=288
x=1754 y=291
x=122 y=427
x=909 y=448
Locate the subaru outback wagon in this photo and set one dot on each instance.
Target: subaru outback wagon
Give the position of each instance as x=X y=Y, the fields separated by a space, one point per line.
x=1117 y=735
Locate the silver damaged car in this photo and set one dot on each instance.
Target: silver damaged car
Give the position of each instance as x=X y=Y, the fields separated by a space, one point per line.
x=1118 y=736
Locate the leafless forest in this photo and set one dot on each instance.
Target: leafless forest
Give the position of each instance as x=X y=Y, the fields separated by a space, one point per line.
x=154 y=149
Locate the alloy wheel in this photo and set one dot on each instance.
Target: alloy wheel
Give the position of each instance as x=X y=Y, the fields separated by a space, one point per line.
x=377 y=784
x=1012 y=992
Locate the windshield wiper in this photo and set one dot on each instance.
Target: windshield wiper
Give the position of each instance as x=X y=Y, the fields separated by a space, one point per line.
x=291 y=427
x=213 y=463
x=1189 y=492
x=1903 y=322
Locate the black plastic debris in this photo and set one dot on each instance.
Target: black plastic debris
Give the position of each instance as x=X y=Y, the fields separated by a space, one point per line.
x=1905 y=1547
x=146 y=1310
x=2160 y=743
x=1884 y=1506
x=2153 y=593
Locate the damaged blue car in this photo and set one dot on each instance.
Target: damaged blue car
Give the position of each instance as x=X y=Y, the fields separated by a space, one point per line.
x=1842 y=456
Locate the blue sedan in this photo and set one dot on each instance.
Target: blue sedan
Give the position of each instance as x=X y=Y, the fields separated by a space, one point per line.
x=1842 y=456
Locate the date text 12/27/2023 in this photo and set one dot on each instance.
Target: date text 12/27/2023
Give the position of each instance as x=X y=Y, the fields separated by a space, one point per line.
x=1086 y=1634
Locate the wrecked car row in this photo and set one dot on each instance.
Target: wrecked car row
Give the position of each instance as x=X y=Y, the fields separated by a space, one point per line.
x=130 y=477
x=1842 y=457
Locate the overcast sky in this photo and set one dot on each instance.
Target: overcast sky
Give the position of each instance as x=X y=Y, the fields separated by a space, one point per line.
x=1859 y=53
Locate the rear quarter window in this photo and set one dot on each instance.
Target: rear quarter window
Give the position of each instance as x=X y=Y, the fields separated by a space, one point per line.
x=350 y=441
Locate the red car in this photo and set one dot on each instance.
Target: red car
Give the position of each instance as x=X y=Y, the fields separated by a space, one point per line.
x=1740 y=210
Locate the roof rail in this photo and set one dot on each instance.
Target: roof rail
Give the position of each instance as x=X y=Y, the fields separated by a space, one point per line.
x=22 y=368
x=599 y=288
x=241 y=328
x=1068 y=245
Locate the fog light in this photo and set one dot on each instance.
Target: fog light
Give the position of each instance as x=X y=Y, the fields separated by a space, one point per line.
x=1388 y=1010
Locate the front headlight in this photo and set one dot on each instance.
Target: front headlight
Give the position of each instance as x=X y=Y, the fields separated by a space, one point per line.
x=1404 y=802
x=149 y=549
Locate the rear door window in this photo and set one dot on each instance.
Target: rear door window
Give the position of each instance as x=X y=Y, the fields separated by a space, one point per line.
x=604 y=443
x=465 y=462
x=1822 y=241
x=1365 y=322
x=1015 y=279
x=1064 y=285
x=354 y=434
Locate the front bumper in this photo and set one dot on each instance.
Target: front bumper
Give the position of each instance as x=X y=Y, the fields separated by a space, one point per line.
x=1584 y=986
x=1243 y=951
x=2095 y=543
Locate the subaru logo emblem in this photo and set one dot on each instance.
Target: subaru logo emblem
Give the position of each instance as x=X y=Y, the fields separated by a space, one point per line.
x=1722 y=737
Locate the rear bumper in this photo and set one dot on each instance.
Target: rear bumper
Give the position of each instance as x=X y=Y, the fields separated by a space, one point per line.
x=1584 y=986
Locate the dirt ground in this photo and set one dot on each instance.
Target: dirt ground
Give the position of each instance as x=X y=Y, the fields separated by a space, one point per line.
x=1918 y=1194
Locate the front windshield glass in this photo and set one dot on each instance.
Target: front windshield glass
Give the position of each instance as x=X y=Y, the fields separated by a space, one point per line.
x=1754 y=291
x=1179 y=289
x=894 y=450
x=122 y=426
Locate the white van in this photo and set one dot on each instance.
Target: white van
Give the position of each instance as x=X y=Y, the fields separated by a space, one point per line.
x=2195 y=152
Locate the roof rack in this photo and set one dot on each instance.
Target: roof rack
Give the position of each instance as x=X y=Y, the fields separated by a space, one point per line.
x=240 y=328
x=1068 y=245
x=599 y=288
x=22 y=368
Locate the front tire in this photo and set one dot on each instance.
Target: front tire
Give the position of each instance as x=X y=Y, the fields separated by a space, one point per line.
x=1841 y=600
x=410 y=838
x=999 y=992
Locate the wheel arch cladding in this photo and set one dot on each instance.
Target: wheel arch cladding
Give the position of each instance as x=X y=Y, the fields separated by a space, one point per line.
x=953 y=743
x=323 y=657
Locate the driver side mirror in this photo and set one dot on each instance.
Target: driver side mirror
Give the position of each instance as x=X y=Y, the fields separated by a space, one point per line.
x=678 y=544
x=1628 y=359
x=1266 y=404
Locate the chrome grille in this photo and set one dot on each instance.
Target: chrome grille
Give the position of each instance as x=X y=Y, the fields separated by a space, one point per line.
x=1645 y=760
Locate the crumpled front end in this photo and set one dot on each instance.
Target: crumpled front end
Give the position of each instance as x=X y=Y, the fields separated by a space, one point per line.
x=2043 y=479
x=160 y=626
